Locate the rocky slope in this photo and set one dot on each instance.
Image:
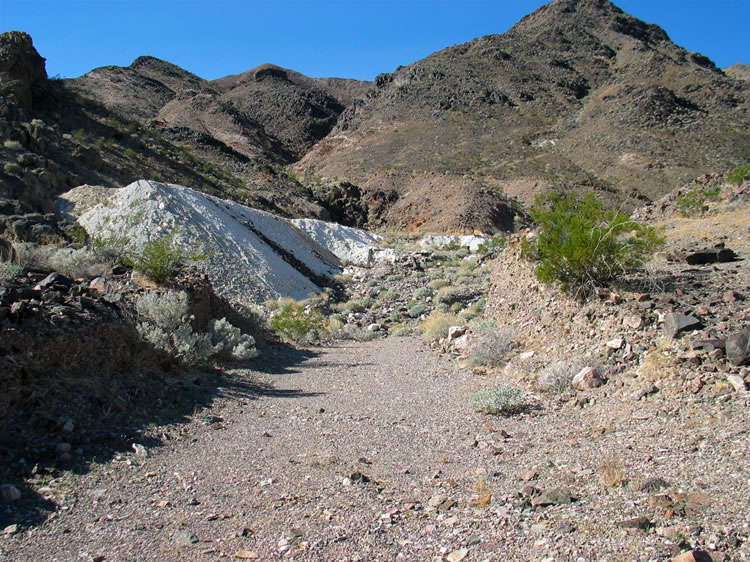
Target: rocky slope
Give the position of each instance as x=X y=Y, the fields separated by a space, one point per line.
x=576 y=94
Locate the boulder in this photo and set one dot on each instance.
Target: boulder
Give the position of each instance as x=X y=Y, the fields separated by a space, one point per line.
x=675 y=323
x=737 y=347
x=587 y=379
x=710 y=255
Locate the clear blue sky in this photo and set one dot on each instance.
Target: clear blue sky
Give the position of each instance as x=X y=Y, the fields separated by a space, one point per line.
x=345 y=38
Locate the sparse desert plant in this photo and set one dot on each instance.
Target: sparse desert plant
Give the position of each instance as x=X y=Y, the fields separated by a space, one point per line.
x=447 y=295
x=76 y=263
x=694 y=202
x=296 y=323
x=400 y=331
x=130 y=153
x=556 y=377
x=109 y=249
x=416 y=310
x=160 y=258
x=34 y=256
x=9 y=270
x=12 y=145
x=498 y=401
x=492 y=246
x=582 y=246
x=739 y=174
x=12 y=168
x=358 y=334
x=37 y=123
x=611 y=470
x=421 y=293
x=232 y=342
x=437 y=284
x=490 y=347
x=436 y=325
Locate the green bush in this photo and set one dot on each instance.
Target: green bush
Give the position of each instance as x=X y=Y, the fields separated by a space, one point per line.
x=740 y=174
x=12 y=145
x=416 y=310
x=694 y=202
x=493 y=246
x=11 y=168
x=498 y=401
x=581 y=245
x=159 y=259
x=295 y=322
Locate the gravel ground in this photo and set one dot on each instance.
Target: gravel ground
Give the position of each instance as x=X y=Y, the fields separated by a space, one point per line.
x=368 y=451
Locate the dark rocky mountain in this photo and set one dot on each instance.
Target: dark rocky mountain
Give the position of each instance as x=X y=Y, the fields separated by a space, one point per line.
x=233 y=137
x=739 y=71
x=576 y=94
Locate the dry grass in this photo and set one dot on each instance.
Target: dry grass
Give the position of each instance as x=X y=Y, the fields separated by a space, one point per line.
x=611 y=470
x=437 y=324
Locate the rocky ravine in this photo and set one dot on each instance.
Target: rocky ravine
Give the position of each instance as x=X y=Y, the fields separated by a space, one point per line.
x=368 y=450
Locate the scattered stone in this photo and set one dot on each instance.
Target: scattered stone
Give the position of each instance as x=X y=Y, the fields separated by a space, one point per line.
x=140 y=450
x=374 y=327
x=68 y=426
x=457 y=555
x=446 y=505
x=556 y=496
x=10 y=530
x=644 y=391
x=616 y=343
x=247 y=555
x=456 y=332
x=655 y=484
x=738 y=347
x=737 y=383
x=692 y=556
x=526 y=355
x=587 y=379
x=710 y=255
x=9 y=493
x=358 y=477
x=675 y=323
x=634 y=321
x=635 y=523
x=528 y=475
x=185 y=537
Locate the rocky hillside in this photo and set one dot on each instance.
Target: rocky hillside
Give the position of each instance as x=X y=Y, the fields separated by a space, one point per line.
x=232 y=137
x=576 y=94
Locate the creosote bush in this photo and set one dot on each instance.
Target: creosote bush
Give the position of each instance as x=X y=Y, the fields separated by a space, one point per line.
x=296 y=322
x=739 y=174
x=694 y=202
x=498 y=401
x=582 y=245
x=159 y=259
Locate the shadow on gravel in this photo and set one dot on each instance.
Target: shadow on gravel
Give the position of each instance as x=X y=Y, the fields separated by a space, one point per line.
x=40 y=446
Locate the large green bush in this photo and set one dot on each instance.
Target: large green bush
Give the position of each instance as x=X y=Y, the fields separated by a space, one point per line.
x=295 y=322
x=582 y=245
x=159 y=259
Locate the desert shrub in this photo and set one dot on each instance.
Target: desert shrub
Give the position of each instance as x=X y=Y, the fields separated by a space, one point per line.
x=334 y=324
x=581 y=245
x=694 y=202
x=109 y=249
x=12 y=168
x=446 y=295
x=739 y=174
x=436 y=325
x=394 y=317
x=358 y=334
x=437 y=284
x=165 y=324
x=76 y=263
x=556 y=377
x=34 y=256
x=402 y=331
x=295 y=322
x=12 y=145
x=498 y=401
x=352 y=306
x=416 y=310
x=490 y=346
x=421 y=293
x=388 y=295
x=9 y=270
x=492 y=246
x=159 y=259
x=232 y=342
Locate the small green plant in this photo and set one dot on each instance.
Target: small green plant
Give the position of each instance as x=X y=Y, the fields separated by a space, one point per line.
x=109 y=249
x=12 y=168
x=159 y=259
x=79 y=134
x=416 y=310
x=9 y=270
x=498 y=401
x=295 y=322
x=582 y=246
x=492 y=246
x=739 y=174
x=12 y=145
x=421 y=293
x=694 y=202
x=130 y=153
x=37 y=123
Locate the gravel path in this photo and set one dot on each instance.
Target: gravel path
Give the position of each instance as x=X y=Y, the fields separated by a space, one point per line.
x=367 y=451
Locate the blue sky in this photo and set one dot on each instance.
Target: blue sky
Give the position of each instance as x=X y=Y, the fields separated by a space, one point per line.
x=345 y=38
